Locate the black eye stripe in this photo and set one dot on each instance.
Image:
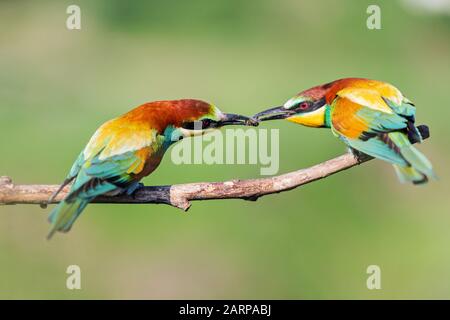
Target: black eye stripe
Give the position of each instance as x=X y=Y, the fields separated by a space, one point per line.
x=188 y=125
x=311 y=105
x=209 y=123
x=195 y=125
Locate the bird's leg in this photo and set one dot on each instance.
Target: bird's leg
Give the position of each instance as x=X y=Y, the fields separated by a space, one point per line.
x=359 y=156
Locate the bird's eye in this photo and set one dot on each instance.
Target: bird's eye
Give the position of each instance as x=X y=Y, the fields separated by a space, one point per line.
x=303 y=106
x=206 y=123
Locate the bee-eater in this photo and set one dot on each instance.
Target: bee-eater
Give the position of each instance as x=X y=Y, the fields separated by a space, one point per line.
x=371 y=117
x=124 y=150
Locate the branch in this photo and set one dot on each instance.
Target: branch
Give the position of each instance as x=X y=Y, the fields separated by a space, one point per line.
x=179 y=195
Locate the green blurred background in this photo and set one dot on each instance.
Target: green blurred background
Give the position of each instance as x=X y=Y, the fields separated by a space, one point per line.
x=57 y=86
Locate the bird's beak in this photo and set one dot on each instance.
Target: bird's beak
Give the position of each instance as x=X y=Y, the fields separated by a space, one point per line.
x=274 y=113
x=236 y=119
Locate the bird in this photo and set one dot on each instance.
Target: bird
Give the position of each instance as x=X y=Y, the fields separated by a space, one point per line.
x=372 y=117
x=124 y=150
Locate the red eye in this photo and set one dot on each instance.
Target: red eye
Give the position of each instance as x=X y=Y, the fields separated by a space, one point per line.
x=303 y=105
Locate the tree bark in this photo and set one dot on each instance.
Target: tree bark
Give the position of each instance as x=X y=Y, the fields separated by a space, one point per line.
x=180 y=195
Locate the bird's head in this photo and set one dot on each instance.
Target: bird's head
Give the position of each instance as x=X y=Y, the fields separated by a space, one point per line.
x=186 y=117
x=198 y=117
x=307 y=108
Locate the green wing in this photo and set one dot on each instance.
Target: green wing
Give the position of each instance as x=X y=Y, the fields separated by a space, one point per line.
x=94 y=178
x=99 y=176
x=386 y=136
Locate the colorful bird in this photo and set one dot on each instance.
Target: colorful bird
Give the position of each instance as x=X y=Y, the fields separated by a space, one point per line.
x=371 y=117
x=125 y=149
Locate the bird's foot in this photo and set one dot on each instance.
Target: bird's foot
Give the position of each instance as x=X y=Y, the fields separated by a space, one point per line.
x=131 y=191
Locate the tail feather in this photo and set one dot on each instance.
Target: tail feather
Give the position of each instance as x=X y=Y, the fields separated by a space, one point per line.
x=409 y=174
x=414 y=157
x=83 y=190
x=424 y=131
x=64 y=215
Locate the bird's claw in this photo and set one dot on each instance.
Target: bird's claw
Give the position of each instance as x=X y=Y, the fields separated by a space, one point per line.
x=133 y=189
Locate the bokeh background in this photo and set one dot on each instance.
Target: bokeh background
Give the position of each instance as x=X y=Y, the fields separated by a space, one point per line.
x=57 y=86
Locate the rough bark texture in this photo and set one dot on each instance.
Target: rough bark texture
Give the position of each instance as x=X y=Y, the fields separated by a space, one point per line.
x=180 y=195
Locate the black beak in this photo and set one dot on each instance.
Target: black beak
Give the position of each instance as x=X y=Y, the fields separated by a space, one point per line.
x=236 y=119
x=274 y=113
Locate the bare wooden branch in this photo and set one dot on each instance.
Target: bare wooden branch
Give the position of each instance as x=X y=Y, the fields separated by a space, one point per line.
x=180 y=195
